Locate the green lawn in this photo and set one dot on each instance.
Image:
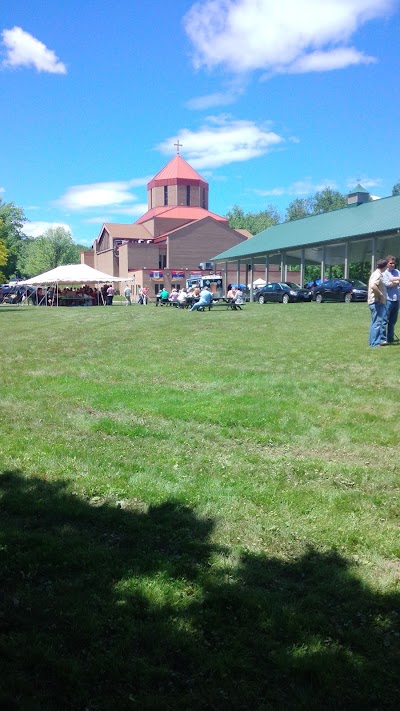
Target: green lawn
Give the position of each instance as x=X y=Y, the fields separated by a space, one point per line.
x=198 y=510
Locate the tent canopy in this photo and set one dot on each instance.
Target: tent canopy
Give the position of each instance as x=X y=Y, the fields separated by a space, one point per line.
x=72 y=274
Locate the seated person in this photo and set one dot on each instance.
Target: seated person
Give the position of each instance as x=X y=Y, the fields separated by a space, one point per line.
x=231 y=294
x=238 y=300
x=164 y=294
x=173 y=297
x=182 y=298
x=206 y=299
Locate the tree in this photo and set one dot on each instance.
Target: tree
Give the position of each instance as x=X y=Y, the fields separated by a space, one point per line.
x=301 y=207
x=53 y=248
x=3 y=251
x=328 y=200
x=12 y=219
x=396 y=189
x=254 y=222
x=324 y=201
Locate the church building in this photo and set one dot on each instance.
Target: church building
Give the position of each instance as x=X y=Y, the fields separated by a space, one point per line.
x=172 y=241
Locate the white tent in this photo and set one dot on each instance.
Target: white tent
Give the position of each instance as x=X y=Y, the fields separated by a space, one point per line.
x=258 y=282
x=72 y=274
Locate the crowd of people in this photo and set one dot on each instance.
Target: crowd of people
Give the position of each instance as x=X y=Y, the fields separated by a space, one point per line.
x=84 y=295
x=198 y=298
x=383 y=302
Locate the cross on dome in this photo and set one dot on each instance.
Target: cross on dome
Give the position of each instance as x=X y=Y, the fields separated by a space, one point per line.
x=178 y=146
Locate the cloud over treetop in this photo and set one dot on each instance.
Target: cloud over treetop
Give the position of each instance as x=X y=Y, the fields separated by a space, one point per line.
x=280 y=37
x=223 y=140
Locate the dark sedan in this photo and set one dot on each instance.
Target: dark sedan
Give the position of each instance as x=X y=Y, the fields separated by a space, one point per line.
x=283 y=292
x=360 y=290
x=333 y=290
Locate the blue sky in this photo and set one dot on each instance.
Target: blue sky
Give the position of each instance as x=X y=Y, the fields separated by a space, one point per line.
x=271 y=99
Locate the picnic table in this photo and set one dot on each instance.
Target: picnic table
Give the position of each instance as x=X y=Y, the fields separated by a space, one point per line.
x=221 y=301
x=73 y=300
x=218 y=301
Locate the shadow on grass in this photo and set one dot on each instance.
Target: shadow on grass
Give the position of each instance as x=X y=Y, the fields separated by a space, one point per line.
x=11 y=308
x=106 y=608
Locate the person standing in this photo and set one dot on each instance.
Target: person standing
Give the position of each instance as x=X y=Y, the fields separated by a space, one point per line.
x=391 y=277
x=110 y=295
x=377 y=304
x=145 y=295
x=127 y=294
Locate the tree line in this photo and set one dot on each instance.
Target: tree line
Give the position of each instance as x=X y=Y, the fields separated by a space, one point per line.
x=22 y=256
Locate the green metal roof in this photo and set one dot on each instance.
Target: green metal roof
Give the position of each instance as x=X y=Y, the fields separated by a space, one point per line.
x=358 y=189
x=378 y=216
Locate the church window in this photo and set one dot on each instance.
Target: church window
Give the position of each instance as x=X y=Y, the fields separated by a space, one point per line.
x=165 y=194
x=188 y=195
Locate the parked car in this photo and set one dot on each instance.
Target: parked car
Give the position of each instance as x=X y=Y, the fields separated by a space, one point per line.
x=7 y=293
x=13 y=294
x=283 y=292
x=360 y=290
x=333 y=290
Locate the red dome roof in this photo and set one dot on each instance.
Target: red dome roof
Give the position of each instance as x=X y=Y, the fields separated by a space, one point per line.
x=177 y=172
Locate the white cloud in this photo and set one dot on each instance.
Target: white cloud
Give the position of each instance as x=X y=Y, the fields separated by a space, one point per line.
x=98 y=220
x=280 y=37
x=365 y=182
x=111 y=194
x=223 y=140
x=228 y=95
x=130 y=210
x=36 y=229
x=210 y=101
x=2 y=190
x=138 y=209
x=24 y=50
x=299 y=188
x=326 y=61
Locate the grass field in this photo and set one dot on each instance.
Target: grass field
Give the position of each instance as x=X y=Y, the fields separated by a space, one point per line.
x=198 y=510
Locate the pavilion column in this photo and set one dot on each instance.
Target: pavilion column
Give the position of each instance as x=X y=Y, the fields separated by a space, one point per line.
x=346 y=260
x=373 y=254
x=323 y=261
x=251 y=278
x=238 y=272
x=283 y=266
x=226 y=277
x=267 y=268
x=302 y=267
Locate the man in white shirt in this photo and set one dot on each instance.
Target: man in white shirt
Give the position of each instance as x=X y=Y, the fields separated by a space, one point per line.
x=391 y=277
x=110 y=295
x=377 y=304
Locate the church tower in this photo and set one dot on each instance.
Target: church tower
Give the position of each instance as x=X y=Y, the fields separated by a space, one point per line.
x=177 y=185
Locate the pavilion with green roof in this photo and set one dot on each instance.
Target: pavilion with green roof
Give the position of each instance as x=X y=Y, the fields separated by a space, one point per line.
x=364 y=231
